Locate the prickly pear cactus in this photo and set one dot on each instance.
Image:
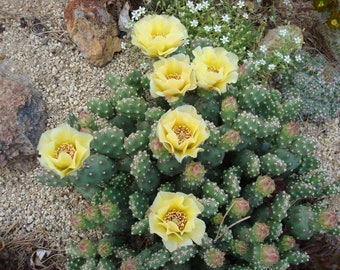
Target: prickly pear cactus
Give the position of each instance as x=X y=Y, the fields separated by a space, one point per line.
x=208 y=180
x=317 y=84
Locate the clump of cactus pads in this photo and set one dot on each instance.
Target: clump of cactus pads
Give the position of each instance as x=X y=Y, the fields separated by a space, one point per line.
x=217 y=178
x=317 y=84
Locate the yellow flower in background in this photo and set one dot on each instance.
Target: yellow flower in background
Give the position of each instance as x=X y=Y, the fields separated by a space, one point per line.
x=63 y=149
x=214 y=68
x=172 y=77
x=173 y=216
x=158 y=35
x=181 y=131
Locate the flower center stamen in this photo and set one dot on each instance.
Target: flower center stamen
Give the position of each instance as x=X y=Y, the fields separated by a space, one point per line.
x=175 y=76
x=213 y=69
x=67 y=148
x=183 y=133
x=177 y=217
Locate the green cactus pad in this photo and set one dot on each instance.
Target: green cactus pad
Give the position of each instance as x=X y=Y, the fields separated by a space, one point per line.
x=109 y=142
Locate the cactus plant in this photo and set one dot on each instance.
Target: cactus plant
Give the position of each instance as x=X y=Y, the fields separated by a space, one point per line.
x=212 y=180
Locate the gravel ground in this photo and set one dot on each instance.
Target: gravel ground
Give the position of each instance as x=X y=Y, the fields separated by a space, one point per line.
x=41 y=54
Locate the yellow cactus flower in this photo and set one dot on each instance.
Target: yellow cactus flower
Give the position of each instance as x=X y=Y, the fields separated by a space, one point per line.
x=173 y=216
x=63 y=149
x=181 y=131
x=158 y=35
x=214 y=68
x=172 y=77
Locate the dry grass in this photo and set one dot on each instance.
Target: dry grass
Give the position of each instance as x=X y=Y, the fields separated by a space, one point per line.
x=21 y=250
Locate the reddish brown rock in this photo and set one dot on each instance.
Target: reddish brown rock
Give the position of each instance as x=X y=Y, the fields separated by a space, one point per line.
x=22 y=120
x=93 y=29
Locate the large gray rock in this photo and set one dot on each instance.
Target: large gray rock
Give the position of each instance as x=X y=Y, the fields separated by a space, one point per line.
x=22 y=120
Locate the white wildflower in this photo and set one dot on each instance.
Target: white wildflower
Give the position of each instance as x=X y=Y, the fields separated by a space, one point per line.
x=123 y=45
x=240 y=4
x=217 y=28
x=226 y=18
x=199 y=7
x=298 y=58
x=245 y=15
x=283 y=32
x=262 y=62
x=205 y=4
x=287 y=59
x=224 y=39
x=271 y=67
x=297 y=40
x=263 y=49
x=207 y=28
x=193 y=23
x=136 y=14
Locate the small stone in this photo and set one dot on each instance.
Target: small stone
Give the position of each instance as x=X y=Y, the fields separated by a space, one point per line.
x=93 y=29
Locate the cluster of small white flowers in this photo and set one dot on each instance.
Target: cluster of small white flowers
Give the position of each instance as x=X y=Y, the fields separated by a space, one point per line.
x=298 y=58
x=283 y=32
x=245 y=15
x=136 y=14
x=250 y=54
x=191 y=6
x=226 y=18
x=198 y=7
x=186 y=42
x=224 y=39
x=271 y=67
x=297 y=40
x=193 y=23
x=263 y=49
x=262 y=62
x=287 y=59
x=287 y=2
x=278 y=54
x=259 y=63
x=217 y=28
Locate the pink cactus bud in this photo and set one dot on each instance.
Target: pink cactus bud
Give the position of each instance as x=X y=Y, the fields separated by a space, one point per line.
x=291 y=129
x=214 y=258
x=269 y=255
x=327 y=219
x=129 y=264
x=260 y=231
x=240 y=207
x=194 y=171
x=287 y=242
x=157 y=147
x=240 y=247
x=265 y=185
x=229 y=104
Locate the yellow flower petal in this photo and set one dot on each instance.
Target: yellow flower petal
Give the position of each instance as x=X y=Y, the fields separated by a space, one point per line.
x=173 y=217
x=215 y=68
x=158 y=35
x=172 y=77
x=63 y=149
x=181 y=131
